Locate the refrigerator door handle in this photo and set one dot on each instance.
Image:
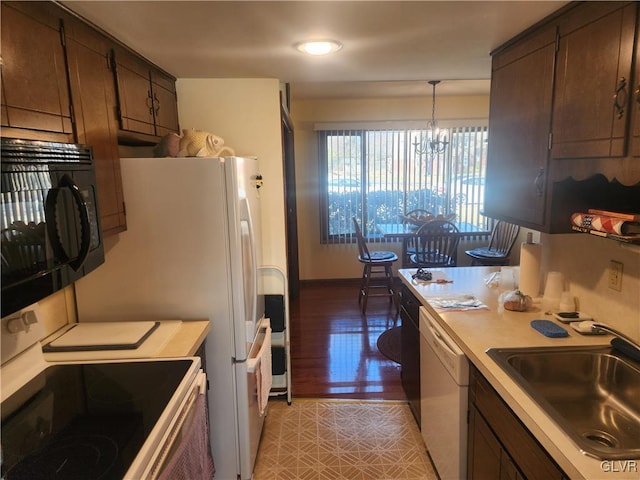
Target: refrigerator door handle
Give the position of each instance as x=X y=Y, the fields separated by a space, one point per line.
x=250 y=269
x=261 y=344
x=258 y=341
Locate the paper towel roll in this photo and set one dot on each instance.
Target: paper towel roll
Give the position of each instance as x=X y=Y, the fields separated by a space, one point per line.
x=530 y=255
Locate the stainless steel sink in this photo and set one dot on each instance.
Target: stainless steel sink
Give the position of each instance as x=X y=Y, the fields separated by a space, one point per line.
x=593 y=393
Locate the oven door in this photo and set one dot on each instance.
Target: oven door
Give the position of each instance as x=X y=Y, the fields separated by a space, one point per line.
x=183 y=448
x=108 y=420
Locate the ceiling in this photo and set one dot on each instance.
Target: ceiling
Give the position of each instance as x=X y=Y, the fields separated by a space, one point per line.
x=391 y=48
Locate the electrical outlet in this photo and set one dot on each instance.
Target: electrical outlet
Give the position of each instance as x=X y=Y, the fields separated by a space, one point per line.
x=19 y=331
x=615 y=275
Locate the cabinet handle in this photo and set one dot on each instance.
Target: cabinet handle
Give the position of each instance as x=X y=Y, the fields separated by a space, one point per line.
x=156 y=101
x=620 y=97
x=150 y=102
x=637 y=94
x=539 y=182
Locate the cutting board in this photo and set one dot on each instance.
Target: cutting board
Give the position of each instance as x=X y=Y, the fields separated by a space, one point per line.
x=102 y=336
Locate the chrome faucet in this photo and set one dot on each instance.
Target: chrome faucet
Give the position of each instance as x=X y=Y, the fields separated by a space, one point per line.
x=596 y=327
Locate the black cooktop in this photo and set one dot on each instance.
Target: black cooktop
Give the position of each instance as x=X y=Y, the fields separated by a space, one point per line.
x=85 y=421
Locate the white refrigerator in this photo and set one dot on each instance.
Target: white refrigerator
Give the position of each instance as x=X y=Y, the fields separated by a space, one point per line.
x=191 y=251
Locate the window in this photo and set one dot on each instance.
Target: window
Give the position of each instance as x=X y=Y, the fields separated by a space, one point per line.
x=375 y=175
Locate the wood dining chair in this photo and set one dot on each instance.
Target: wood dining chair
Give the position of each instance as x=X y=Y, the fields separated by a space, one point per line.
x=417 y=218
x=435 y=244
x=503 y=237
x=376 y=273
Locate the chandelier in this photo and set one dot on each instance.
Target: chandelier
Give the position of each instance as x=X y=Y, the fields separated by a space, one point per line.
x=432 y=144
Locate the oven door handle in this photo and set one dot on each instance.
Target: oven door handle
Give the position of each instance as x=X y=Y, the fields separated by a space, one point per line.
x=198 y=388
x=50 y=215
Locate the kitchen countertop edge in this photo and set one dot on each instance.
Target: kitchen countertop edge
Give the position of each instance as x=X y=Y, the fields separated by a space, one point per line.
x=186 y=341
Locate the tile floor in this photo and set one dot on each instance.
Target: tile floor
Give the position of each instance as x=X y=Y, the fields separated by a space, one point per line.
x=341 y=439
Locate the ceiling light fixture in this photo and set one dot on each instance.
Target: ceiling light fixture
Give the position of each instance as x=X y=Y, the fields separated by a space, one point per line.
x=431 y=143
x=319 y=47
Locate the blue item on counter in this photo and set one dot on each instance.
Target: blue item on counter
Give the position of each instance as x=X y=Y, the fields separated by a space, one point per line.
x=549 y=329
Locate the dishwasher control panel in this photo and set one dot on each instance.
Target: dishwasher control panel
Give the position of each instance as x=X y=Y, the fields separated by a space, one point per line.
x=447 y=351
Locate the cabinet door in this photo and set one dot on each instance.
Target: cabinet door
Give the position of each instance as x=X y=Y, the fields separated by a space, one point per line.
x=523 y=451
x=634 y=140
x=483 y=451
x=410 y=350
x=508 y=469
x=93 y=96
x=135 y=99
x=519 y=126
x=165 y=103
x=34 y=76
x=591 y=109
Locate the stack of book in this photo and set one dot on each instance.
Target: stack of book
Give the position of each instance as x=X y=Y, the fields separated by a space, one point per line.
x=620 y=226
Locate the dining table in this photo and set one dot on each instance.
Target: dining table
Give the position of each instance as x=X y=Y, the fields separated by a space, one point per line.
x=402 y=231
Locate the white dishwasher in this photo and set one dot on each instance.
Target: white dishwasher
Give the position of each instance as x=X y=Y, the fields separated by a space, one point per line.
x=444 y=380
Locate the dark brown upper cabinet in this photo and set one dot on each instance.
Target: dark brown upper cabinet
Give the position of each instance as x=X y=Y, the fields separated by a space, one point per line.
x=564 y=120
x=93 y=96
x=147 y=102
x=634 y=137
x=35 y=87
x=593 y=81
x=165 y=103
x=59 y=83
x=520 y=118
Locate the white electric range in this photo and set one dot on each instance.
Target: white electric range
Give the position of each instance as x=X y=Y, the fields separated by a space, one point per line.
x=95 y=413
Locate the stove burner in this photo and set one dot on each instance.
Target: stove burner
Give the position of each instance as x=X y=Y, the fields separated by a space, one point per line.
x=78 y=456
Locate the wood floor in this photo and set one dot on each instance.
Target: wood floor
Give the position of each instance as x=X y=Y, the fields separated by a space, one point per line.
x=333 y=345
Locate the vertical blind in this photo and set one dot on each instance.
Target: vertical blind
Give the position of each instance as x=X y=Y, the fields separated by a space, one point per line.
x=376 y=175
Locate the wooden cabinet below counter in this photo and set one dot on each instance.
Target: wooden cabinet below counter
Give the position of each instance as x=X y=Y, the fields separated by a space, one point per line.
x=410 y=350
x=500 y=447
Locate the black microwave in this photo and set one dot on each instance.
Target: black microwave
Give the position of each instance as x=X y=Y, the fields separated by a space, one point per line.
x=50 y=225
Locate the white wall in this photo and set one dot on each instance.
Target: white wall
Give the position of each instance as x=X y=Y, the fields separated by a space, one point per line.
x=584 y=261
x=319 y=261
x=246 y=114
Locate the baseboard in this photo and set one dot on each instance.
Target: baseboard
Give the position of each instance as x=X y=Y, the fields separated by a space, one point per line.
x=346 y=282
x=330 y=281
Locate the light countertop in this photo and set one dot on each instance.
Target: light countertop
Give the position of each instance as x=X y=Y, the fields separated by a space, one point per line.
x=476 y=331
x=186 y=341
x=173 y=338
